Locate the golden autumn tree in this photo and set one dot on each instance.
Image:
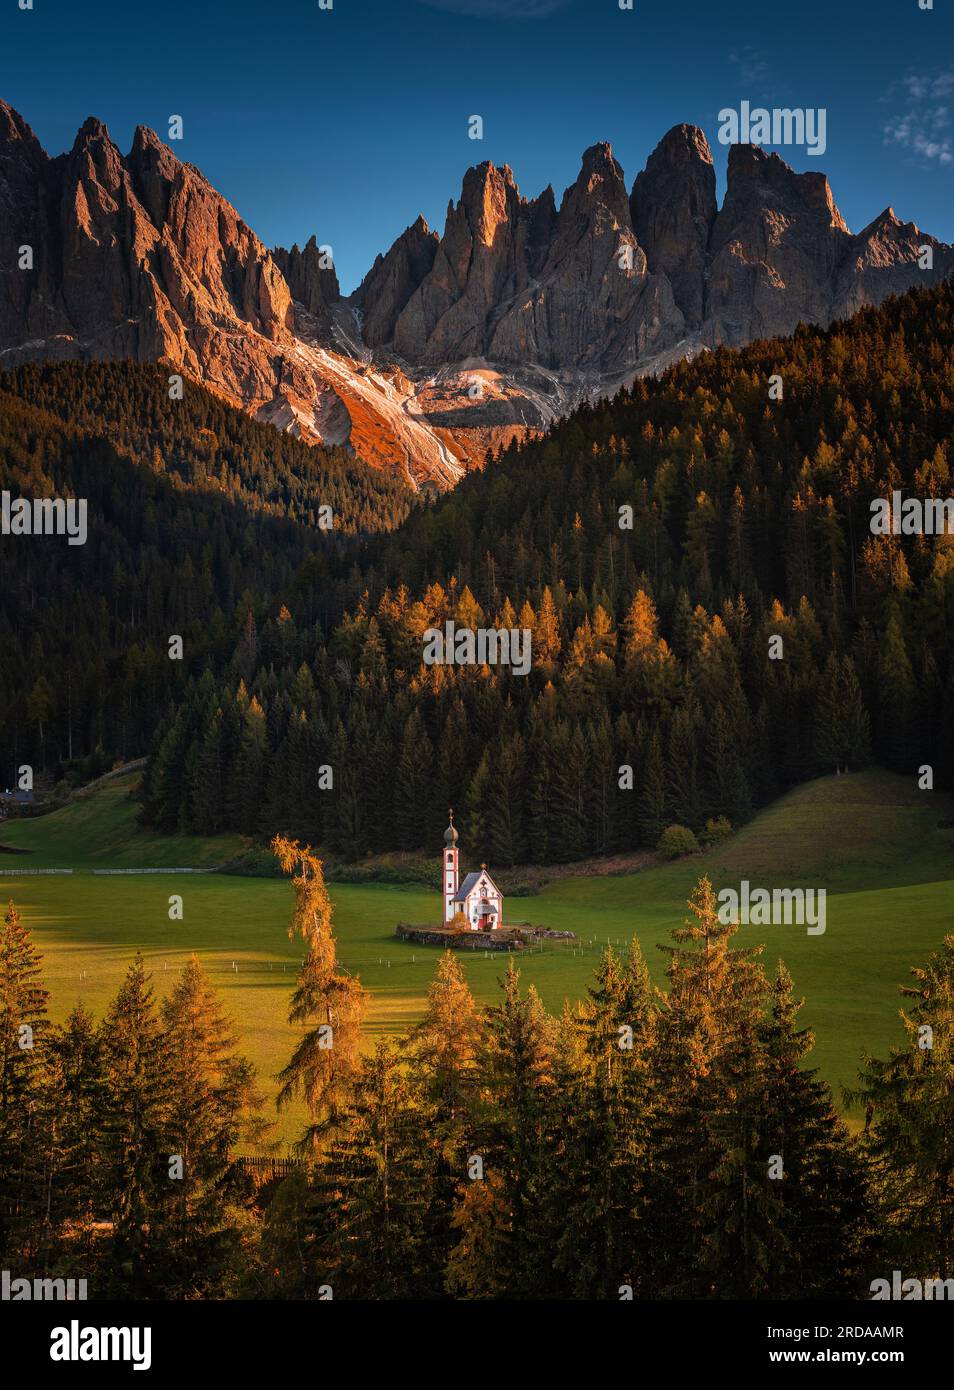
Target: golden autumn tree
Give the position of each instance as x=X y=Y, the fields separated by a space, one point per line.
x=324 y=1063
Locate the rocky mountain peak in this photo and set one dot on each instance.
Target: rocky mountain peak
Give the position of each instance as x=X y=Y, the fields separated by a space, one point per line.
x=673 y=209
x=600 y=180
x=14 y=129
x=753 y=173
x=683 y=144
x=148 y=152
x=391 y=281
x=311 y=281
x=140 y=257
x=488 y=198
x=598 y=159
x=774 y=251
x=92 y=131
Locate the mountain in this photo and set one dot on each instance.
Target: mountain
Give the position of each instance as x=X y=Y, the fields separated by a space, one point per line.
x=749 y=519
x=453 y=344
x=139 y=257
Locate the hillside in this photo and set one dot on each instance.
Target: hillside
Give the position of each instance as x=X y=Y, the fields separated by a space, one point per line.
x=102 y=830
x=201 y=444
x=198 y=519
x=706 y=602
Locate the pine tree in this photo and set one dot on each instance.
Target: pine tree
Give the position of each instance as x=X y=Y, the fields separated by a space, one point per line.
x=23 y=1034
x=372 y=1198
x=444 y=1046
x=213 y=1106
x=842 y=728
x=822 y=1207
x=653 y=795
x=597 y=1192
x=898 y=702
x=412 y=785
x=511 y=1140
x=133 y=1135
x=683 y=800
x=73 y=1105
x=706 y=1070
x=23 y=1026
x=910 y=1132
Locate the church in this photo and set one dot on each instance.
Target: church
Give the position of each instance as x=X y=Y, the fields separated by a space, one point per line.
x=478 y=897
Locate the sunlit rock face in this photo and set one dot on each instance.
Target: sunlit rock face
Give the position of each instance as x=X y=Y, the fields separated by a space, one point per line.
x=456 y=342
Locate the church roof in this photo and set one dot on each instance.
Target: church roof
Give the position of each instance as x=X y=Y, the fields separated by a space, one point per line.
x=469 y=883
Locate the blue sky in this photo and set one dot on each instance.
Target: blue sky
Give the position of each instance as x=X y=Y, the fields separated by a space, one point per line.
x=350 y=122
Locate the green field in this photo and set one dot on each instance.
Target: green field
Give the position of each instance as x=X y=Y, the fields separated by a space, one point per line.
x=871 y=839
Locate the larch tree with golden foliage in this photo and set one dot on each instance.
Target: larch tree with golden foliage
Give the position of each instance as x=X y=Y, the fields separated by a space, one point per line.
x=324 y=1063
x=23 y=1024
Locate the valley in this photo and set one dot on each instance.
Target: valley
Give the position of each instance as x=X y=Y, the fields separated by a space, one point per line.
x=869 y=838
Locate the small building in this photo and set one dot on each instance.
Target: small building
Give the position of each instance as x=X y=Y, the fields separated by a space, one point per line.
x=16 y=803
x=478 y=897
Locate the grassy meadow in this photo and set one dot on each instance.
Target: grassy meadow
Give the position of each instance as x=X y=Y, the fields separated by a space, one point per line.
x=871 y=839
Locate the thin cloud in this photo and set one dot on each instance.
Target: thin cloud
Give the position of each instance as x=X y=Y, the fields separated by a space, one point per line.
x=752 y=64
x=922 y=116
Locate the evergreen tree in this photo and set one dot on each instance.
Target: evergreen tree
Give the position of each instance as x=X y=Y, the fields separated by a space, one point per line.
x=910 y=1133
x=823 y=1206
x=511 y=1140
x=373 y=1188
x=133 y=1135
x=597 y=1191
x=213 y=1106
x=842 y=727
x=706 y=1074
x=23 y=1032
x=73 y=1116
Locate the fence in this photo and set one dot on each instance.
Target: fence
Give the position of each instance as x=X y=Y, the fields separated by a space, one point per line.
x=265 y=1167
x=152 y=871
x=16 y=873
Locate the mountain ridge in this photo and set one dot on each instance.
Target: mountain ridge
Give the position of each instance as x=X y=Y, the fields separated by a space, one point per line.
x=454 y=343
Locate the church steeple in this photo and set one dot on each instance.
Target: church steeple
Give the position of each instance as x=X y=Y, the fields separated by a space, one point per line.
x=451 y=869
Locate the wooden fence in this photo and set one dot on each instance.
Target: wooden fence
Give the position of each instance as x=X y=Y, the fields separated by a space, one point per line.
x=266 y=1168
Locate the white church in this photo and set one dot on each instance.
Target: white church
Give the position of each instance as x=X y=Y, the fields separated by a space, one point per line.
x=478 y=897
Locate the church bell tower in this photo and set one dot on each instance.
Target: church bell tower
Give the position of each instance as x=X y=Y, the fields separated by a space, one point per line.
x=451 y=869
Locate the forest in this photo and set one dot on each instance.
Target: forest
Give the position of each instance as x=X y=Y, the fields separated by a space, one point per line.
x=196 y=514
x=657 y=546
x=712 y=618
